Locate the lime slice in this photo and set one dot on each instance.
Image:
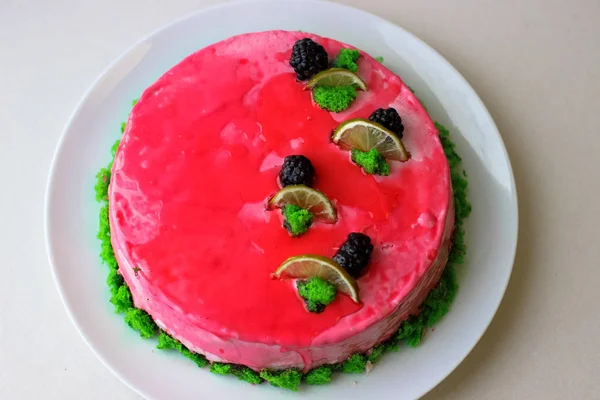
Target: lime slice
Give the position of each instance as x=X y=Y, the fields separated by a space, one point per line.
x=309 y=265
x=336 y=77
x=307 y=198
x=364 y=135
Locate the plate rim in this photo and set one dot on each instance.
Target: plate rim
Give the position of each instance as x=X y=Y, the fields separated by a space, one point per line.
x=512 y=241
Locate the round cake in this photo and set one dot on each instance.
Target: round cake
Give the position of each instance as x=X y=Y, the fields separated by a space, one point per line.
x=193 y=236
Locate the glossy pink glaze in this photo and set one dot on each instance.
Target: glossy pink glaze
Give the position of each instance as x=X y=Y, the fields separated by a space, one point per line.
x=199 y=157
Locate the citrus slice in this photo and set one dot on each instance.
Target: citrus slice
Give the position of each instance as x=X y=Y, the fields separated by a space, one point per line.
x=309 y=265
x=364 y=135
x=305 y=197
x=336 y=77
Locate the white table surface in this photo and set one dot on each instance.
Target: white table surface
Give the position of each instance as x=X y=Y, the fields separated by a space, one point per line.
x=536 y=65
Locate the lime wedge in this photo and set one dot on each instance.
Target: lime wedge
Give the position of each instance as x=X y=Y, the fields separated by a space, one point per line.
x=307 y=198
x=336 y=77
x=364 y=135
x=309 y=265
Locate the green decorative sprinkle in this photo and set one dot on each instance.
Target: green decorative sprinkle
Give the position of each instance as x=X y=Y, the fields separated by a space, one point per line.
x=286 y=379
x=411 y=330
x=248 y=375
x=376 y=352
x=297 y=220
x=220 y=368
x=317 y=292
x=355 y=364
x=121 y=298
x=319 y=376
x=380 y=59
x=198 y=359
x=141 y=321
x=346 y=59
x=166 y=342
x=334 y=98
x=102 y=182
x=372 y=162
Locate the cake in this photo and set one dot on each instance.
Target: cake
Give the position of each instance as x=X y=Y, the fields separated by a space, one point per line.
x=198 y=245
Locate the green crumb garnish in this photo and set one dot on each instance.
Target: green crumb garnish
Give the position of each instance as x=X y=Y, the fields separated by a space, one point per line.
x=286 y=379
x=372 y=162
x=114 y=148
x=459 y=178
x=114 y=281
x=121 y=298
x=241 y=371
x=376 y=352
x=437 y=304
x=102 y=182
x=220 y=368
x=247 y=374
x=379 y=59
x=141 y=321
x=107 y=255
x=411 y=330
x=334 y=98
x=123 y=124
x=297 y=220
x=198 y=359
x=319 y=376
x=355 y=364
x=316 y=292
x=134 y=102
x=166 y=342
x=346 y=59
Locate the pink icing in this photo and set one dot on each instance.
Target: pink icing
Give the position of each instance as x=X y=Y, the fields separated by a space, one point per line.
x=199 y=157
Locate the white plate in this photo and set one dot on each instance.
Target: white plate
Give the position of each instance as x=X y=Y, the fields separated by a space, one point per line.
x=71 y=213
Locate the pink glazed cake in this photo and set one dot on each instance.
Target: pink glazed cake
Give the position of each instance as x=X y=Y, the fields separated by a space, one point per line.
x=195 y=243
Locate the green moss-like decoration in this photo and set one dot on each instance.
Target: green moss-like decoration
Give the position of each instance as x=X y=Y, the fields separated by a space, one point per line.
x=346 y=59
x=376 y=352
x=166 y=342
x=319 y=376
x=241 y=371
x=286 y=379
x=435 y=306
x=297 y=220
x=248 y=375
x=317 y=293
x=334 y=98
x=121 y=298
x=220 y=368
x=372 y=162
x=141 y=321
x=355 y=364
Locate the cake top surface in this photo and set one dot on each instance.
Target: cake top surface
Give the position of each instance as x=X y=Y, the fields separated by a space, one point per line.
x=199 y=158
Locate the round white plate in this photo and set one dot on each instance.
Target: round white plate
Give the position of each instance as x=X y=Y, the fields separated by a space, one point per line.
x=71 y=212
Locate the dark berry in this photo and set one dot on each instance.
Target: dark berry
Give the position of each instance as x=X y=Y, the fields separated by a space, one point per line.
x=355 y=253
x=308 y=58
x=390 y=119
x=296 y=170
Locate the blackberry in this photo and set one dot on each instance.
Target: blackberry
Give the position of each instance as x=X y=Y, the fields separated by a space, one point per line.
x=296 y=170
x=390 y=119
x=308 y=58
x=355 y=253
